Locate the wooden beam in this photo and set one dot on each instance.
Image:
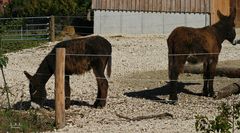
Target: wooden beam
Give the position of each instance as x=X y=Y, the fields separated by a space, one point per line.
x=52 y=28
x=59 y=88
x=220 y=71
x=228 y=91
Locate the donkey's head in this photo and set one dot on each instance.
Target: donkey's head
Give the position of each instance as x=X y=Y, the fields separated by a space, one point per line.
x=36 y=89
x=228 y=26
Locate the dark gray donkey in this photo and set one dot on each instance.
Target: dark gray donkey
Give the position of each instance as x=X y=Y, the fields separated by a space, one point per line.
x=82 y=55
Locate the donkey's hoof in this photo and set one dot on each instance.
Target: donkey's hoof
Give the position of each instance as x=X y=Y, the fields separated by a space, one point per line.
x=172 y=102
x=99 y=104
x=212 y=94
x=173 y=99
x=67 y=103
x=205 y=94
x=67 y=106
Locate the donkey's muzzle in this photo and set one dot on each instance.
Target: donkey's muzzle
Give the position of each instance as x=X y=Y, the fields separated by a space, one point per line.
x=237 y=41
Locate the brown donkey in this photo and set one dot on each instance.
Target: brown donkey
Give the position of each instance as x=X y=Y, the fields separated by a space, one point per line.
x=198 y=45
x=82 y=55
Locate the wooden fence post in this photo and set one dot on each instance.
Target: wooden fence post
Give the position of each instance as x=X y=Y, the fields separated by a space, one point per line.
x=59 y=88
x=52 y=28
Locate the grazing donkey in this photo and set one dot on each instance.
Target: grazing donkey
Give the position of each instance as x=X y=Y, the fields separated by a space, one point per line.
x=82 y=55
x=198 y=45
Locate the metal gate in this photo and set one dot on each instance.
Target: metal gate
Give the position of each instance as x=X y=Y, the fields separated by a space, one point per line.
x=26 y=28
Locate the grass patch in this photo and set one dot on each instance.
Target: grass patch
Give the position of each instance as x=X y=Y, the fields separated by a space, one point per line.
x=25 y=121
x=14 y=46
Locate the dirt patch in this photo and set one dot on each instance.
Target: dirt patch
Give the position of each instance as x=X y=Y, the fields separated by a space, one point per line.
x=160 y=77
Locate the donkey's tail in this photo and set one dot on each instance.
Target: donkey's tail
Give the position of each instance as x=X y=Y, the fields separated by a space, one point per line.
x=109 y=66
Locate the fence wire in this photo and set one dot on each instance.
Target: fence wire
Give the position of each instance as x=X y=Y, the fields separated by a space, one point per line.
x=188 y=103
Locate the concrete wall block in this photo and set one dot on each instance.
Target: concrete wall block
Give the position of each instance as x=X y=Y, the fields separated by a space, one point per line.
x=152 y=23
x=197 y=20
x=113 y=22
x=96 y=24
x=131 y=23
x=173 y=20
x=107 y=22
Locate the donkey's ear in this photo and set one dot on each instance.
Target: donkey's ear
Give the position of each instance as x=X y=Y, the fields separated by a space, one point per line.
x=233 y=14
x=28 y=75
x=220 y=15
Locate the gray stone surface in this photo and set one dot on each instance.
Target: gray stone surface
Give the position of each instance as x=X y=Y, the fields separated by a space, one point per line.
x=113 y=22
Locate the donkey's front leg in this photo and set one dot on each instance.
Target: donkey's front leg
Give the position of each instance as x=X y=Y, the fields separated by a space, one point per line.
x=67 y=93
x=212 y=70
x=206 y=78
x=209 y=73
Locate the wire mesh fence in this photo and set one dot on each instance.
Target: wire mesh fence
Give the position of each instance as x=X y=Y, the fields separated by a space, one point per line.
x=28 y=28
x=131 y=94
x=38 y=28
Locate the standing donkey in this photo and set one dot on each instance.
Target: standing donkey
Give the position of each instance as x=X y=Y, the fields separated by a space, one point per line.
x=198 y=45
x=82 y=55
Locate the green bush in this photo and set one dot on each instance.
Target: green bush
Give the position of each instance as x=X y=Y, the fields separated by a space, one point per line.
x=227 y=120
x=3 y=58
x=24 y=8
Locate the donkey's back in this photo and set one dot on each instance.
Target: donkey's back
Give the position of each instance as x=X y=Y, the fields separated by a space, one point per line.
x=85 y=53
x=191 y=40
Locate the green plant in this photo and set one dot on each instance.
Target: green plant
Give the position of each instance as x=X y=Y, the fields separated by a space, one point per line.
x=20 y=121
x=3 y=60
x=24 y=8
x=3 y=63
x=13 y=46
x=226 y=122
x=25 y=121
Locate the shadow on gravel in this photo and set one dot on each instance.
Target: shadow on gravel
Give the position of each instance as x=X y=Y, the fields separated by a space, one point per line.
x=153 y=94
x=49 y=104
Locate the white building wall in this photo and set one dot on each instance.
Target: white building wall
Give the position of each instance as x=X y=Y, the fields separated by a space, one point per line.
x=113 y=22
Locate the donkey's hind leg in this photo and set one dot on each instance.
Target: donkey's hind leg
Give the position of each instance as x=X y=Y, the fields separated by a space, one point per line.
x=176 y=67
x=67 y=93
x=102 y=84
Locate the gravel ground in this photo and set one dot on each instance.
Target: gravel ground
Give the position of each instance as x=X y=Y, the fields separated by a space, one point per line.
x=137 y=88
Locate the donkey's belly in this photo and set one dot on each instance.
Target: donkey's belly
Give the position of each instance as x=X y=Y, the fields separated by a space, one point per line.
x=194 y=59
x=77 y=68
